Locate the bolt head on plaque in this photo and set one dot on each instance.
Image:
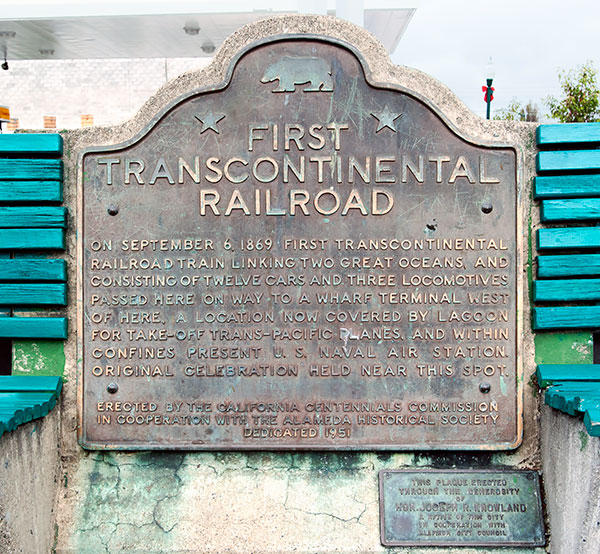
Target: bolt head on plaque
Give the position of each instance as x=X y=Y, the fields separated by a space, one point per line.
x=485 y=388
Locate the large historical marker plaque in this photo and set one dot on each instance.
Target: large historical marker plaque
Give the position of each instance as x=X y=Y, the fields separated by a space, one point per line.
x=297 y=258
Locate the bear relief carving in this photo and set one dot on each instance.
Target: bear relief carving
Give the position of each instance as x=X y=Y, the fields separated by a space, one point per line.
x=290 y=71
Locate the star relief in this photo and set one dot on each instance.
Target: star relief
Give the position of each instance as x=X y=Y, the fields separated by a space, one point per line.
x=209 y=120
x=386 y=118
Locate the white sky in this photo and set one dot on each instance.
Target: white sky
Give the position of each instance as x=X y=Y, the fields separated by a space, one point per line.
x=451 y=40
x=528 y=40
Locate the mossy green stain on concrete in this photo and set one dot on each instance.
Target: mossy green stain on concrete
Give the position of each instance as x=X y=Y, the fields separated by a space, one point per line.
x=38 y=357
x=129 y=502
x=55 y=542
x=584 y=438
x=533 y=385
x=183 y=502
x=563 y=348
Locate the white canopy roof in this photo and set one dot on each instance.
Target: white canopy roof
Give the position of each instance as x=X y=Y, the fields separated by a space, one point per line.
x=31 y=30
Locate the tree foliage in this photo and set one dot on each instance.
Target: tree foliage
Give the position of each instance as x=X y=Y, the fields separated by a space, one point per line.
x=517 y=112
x=580 y=102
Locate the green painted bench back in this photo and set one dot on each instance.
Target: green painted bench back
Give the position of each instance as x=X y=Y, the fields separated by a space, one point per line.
x=567 y=289
x=32 y=221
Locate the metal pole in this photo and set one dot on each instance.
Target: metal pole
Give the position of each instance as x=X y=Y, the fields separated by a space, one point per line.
x=488 y=97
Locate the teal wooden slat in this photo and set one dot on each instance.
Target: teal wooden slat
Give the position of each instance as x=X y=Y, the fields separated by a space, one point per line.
x=36 y=269
x=31 y=383
x=33 y=216
x=568 y=160
x=32 y=239
x=40 y=403
x=33 y=294
x=591 y=420
x=574 y=237
x=32 y=143
x=30 y=191
x=551 y=398
x=567 y=133
x=11 y=418
x=569 y=397
x=583 y=401
x=568 y=265
x=548 y=374
x=564 y=317
x=564 y=290
x=23 y=398
x=573 y=398
x=570 y=407
x=26 y=397
x=25 y=413
x=33 y=410
x=555 y=399
x=570 y=209
x=38 y=407
x=30 y=170
x=33 y=327
x=4 y=258
x=566 y=186
x=5 y=411
x=572 y=388
x=8 y=409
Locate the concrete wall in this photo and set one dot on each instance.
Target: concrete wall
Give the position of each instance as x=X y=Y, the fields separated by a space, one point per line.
x=569 y=456
x=235 y=503
x=29 y=481
x=571 y=476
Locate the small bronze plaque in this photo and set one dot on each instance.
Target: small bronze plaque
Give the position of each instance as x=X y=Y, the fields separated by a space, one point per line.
x=297 y=258
x=460 y=508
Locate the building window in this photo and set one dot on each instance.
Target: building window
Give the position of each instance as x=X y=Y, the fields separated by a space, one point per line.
x=49 y=122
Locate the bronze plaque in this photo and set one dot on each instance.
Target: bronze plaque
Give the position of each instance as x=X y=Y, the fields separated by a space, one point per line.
x=460 y=508
x=299 y=259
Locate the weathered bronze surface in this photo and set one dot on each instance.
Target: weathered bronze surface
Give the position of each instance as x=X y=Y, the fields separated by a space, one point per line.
x=299 y=259
x=460 y=508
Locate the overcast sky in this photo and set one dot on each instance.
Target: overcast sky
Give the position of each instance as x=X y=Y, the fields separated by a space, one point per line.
x=528 y=40
x=452 y=40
